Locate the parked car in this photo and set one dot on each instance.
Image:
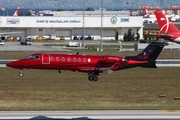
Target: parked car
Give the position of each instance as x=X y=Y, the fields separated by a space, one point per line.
x=25 y=41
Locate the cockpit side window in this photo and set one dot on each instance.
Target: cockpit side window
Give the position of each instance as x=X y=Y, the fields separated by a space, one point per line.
x=34 y=57
x=37 y=57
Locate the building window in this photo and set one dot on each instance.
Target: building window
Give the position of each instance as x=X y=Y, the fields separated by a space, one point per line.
x=40 y=29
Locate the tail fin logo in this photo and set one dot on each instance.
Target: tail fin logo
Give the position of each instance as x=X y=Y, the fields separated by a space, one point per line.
x=165 y=26
x=144 y=53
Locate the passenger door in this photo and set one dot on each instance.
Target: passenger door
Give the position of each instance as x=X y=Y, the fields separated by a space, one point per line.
x=45 y=59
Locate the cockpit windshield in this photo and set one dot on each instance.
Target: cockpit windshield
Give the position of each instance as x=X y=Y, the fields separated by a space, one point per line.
x=35 y=57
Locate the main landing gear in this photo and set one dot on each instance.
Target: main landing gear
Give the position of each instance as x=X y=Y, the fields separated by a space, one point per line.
x=93 y=78
x=21 y=74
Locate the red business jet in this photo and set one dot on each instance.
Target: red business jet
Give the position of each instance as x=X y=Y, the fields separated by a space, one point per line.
x=168 y=30
x=91 y=64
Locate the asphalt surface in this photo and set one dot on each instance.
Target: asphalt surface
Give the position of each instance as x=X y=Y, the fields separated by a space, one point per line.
x=92 y=114
x=36 y=46
x=39 y=46
x=159 y=62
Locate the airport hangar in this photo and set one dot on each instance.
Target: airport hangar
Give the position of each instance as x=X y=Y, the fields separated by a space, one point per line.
x=69 y=25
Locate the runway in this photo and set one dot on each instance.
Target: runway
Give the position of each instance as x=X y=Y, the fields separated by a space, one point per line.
x=92 y=114
x=159 y=62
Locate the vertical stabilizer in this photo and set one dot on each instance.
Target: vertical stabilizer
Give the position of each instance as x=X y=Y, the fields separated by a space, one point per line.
x=146 y=11
x=149 y=54
x=165 y=25
x=15 y=13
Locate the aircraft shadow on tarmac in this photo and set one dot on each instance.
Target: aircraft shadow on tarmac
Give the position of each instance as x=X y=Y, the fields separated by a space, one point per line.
x=48 y=118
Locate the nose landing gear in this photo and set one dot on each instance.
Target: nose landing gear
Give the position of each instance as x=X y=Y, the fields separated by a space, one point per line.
x=21 y=74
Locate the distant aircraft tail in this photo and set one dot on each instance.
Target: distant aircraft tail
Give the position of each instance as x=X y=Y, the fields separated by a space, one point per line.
x=149 y=54
x=36 y=13
x=165 y=25
x=130 y=12
x=146 y=11
x=15 y=13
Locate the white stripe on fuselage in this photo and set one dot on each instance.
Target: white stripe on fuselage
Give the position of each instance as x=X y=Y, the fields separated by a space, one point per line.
x=177 y=40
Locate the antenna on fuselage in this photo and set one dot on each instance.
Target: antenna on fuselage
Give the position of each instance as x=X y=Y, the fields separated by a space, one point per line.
x=77 y=53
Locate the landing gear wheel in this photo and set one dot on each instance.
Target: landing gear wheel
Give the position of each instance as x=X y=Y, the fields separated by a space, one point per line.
x=90 y=78
x=95 y=78
x=21 y=74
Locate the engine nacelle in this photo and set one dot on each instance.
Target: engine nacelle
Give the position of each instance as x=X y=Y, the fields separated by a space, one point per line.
x=2 y=38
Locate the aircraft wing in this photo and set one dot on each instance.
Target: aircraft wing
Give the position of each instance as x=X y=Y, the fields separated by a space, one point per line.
x=106 y=70
x=93 y=69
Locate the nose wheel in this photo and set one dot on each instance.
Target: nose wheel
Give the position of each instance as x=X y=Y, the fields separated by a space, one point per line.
x=21 y=74
x=93 y=78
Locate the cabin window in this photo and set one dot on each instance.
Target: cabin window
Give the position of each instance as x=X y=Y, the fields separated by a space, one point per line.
x=84 y=59
x=57 y=58
x=69 y=59
x=89 y=60
x=52 y=58
x=63 y=59
x=74 y=59
x=79 y=59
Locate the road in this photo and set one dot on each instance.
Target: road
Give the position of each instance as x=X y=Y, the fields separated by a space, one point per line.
x=39 y=46
x=36 y=46
x=93 y=114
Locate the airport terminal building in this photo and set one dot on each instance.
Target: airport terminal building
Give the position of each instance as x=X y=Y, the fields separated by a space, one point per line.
x=70 y=26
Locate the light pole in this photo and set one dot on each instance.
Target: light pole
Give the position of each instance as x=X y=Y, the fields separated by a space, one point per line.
x=101 y=49
x=83 y=27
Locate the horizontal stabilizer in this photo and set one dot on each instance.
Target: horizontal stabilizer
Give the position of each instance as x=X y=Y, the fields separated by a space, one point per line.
x=150 y=64
x=151 y=52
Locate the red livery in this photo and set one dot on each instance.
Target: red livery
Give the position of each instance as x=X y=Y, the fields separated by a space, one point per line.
x=91 y=64
x=168 y=30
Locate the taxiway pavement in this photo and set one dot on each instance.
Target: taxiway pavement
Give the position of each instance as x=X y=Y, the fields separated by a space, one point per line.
x=93 y=114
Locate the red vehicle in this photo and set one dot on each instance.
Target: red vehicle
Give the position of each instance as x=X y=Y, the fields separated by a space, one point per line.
x=91 y=64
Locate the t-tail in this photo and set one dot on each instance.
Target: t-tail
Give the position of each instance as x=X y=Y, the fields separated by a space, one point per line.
x=165 y=25
x=147 y=58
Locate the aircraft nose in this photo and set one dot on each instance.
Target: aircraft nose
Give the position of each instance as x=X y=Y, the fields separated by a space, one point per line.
x=11 y=64
x=15 y=64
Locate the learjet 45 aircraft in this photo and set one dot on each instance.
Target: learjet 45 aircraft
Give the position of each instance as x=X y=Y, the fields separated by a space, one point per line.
x=91 y=64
